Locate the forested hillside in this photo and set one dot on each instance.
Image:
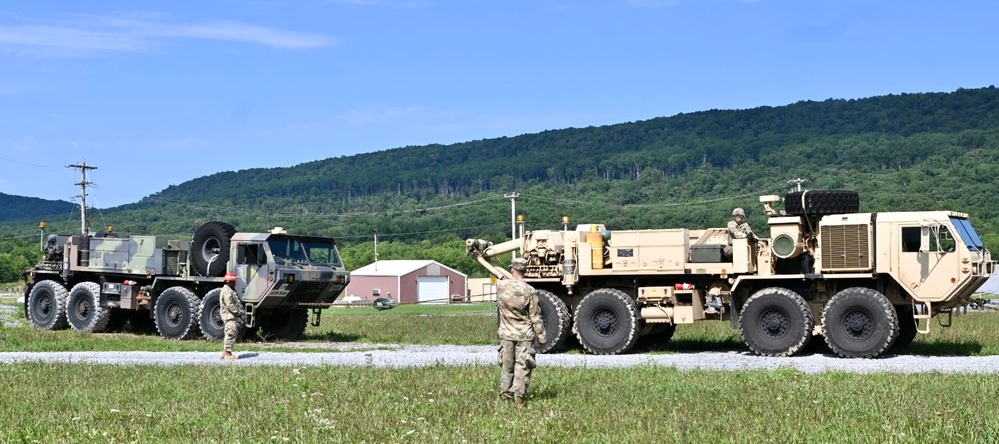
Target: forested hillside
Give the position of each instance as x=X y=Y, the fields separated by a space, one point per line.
x=901 y=152
x=19 y=207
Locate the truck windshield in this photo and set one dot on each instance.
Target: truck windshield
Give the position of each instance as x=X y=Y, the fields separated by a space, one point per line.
x=968 y=234
x=304 y=251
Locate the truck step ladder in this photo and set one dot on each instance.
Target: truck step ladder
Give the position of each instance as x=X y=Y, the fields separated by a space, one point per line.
x=250 y=321
x=924 y=311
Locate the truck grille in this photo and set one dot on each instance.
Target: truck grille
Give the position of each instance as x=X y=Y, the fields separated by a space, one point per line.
x=309 y=292
x=846 y=248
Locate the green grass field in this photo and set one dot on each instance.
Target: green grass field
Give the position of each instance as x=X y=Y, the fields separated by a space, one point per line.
x=91 y=403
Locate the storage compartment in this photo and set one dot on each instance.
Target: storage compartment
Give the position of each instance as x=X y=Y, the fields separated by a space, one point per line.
x=707 y=253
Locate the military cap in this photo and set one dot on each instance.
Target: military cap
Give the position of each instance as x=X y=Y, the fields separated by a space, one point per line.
x=519 y=264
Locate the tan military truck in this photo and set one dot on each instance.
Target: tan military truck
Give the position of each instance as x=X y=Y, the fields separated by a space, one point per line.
x=866 y=282
x=98 y=282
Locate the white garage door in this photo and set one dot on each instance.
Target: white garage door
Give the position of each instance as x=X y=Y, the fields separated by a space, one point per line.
x=432 y=289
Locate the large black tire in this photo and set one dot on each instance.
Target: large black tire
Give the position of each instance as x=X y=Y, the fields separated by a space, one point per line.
x=607 y=322
x=907 y=327
x=83 y=308
x=47 y=305
x=859 y=323
x=821 y=202
x=557 y=320
x=776 y=321
x=285 y=325
x=211 y=322
x=211 y=246
x=176 y=313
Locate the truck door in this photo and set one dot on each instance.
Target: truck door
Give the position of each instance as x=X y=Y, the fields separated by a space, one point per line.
x=929 y=265
x=253 y=270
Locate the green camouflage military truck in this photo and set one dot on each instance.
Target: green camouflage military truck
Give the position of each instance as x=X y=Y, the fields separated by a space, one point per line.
x=98 y=282
x=863 y=282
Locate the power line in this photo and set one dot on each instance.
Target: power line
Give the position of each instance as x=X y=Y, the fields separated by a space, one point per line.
x=30 y=164
x=309 y=215
x=443 y=230
x=235 y=210
x=652 y=205
x=23 y=236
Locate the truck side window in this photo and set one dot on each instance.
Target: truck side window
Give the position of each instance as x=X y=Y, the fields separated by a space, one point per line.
x=251 y=254
x=946 y=240
x=910 y=239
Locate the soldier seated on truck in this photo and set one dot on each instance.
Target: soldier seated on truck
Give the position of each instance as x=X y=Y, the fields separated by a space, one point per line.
x=738 y=229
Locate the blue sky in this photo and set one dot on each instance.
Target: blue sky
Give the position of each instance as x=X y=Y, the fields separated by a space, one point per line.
x=156 y=93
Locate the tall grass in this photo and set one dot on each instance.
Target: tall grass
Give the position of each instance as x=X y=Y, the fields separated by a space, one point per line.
x=91 y=403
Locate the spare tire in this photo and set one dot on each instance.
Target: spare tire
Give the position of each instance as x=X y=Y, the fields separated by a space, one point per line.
x=821 y=202
x=211 y=248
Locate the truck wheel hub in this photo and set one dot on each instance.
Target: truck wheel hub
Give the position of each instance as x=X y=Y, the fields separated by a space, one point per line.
x=775 y=323
x=858 y=324
x=605 y=322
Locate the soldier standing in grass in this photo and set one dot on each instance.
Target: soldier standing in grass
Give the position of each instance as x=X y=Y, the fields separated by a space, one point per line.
x=231 y=310
x=520 y=325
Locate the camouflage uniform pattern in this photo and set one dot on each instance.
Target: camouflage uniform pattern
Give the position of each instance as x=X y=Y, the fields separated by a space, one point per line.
x=737 y=231
x=520 y=324
x=231 y=310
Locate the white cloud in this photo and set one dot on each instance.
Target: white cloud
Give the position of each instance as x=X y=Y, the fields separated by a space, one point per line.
x=238 y=32
x=56 y=41
x=86 y=35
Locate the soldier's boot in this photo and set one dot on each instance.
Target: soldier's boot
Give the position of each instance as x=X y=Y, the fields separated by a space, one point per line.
x=227 y=355
x=521 y=401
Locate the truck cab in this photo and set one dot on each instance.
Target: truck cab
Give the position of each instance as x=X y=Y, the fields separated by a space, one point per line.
x=277 y=270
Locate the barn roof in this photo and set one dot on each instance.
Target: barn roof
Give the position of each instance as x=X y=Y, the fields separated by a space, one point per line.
x=397 y=267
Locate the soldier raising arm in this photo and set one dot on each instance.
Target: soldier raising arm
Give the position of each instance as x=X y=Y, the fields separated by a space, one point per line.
x=520 y=324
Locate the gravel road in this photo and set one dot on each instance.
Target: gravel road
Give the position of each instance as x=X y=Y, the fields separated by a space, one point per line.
x=427 y=355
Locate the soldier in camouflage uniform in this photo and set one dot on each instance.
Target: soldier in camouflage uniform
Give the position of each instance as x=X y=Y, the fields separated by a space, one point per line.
x=520 y=325
x=231 y=310
x=738 y=229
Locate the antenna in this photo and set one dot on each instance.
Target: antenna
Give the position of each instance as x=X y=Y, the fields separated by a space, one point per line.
x=797 y=183
x=513 y=217
x=83 y=167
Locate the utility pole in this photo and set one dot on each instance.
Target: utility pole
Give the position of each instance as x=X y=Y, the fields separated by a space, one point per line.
x=513 y=217
x=83 y=167
x=376 y=251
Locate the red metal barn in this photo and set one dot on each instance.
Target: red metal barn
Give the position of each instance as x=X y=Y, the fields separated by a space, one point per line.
x=408 y=281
